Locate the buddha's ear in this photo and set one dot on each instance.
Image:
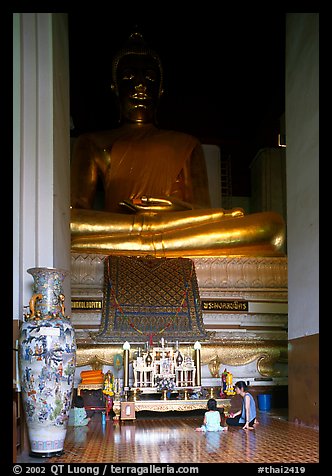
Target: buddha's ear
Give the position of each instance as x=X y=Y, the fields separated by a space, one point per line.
x=114 y=89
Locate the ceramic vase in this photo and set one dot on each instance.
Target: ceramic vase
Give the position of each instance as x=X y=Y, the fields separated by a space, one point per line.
x=47 y=359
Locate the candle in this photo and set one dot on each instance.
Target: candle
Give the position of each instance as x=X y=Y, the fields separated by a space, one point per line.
x=197 y=348
x=126 y=347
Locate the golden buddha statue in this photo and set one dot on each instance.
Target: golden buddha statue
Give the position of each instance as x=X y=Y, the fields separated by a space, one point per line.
x=156 y=199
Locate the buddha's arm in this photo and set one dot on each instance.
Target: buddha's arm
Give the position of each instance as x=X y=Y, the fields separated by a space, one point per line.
x=84 y=173
x=196 y=180
x=156 y=204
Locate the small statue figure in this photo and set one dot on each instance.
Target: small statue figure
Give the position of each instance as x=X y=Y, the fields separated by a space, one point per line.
x=223 y=384
x=32 y=305
x=108 y=388
x=108 y=391
x=62 y=304
x=229 y=385
x=108 y=406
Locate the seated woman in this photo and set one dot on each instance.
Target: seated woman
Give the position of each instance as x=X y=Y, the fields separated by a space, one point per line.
x=156 y=198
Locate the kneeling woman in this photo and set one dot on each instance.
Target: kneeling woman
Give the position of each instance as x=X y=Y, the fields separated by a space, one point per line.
x=246 y=417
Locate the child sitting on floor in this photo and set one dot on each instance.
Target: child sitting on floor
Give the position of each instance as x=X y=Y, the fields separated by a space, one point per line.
x=77 y=414
x=212 y=418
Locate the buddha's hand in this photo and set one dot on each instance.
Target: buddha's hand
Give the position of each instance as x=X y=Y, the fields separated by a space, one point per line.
x=234 y=213
x=154 y=204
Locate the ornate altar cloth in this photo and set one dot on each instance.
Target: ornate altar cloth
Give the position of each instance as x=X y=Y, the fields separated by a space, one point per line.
x=146 y=298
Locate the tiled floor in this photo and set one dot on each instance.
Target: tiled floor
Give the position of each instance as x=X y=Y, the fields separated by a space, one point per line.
x=156 y=438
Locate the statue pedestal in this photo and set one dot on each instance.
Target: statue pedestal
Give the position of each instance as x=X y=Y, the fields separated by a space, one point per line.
x=245 y=311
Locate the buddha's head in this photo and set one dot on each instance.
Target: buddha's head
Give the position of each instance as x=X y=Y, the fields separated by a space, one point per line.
x=137 y=77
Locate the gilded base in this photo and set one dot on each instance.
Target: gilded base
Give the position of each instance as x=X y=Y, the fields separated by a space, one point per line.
x=171 y=405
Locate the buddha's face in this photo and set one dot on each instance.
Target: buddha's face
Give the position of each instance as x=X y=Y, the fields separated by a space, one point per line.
x=138 y=83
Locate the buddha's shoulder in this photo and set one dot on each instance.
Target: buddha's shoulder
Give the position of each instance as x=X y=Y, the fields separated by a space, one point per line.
x=171 y=132
x=99 y=138
x=178 y=136
x=107 y=138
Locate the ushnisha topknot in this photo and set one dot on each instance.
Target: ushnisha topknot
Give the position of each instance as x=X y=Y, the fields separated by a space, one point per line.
x=136 y=45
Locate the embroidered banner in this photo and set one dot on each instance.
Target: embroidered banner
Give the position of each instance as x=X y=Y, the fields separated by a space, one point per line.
x=146 y=298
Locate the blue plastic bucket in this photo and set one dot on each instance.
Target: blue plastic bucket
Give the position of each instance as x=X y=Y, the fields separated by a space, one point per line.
x=264 y=402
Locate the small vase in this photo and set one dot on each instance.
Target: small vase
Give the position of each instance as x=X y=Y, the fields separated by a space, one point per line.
x=179 y=359
x=47 y=356
x=166 y=394
x=148 y=359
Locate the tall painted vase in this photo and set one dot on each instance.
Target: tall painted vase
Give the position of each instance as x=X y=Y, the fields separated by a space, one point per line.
x=47 y=360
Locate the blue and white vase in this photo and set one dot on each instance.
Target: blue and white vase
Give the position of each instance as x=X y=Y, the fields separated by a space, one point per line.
x=47 y=359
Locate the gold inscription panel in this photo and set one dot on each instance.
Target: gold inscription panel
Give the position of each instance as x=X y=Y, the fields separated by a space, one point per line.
x=224 y=305
x=79 y=305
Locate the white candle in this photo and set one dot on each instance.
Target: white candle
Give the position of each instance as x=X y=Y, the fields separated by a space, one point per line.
x=197 y=348
x=126 y=348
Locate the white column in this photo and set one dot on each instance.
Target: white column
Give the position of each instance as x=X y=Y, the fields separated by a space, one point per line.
x=302 y=136
x=41 y=155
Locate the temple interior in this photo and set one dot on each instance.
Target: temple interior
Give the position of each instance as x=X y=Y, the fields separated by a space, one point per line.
x=157 y=337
